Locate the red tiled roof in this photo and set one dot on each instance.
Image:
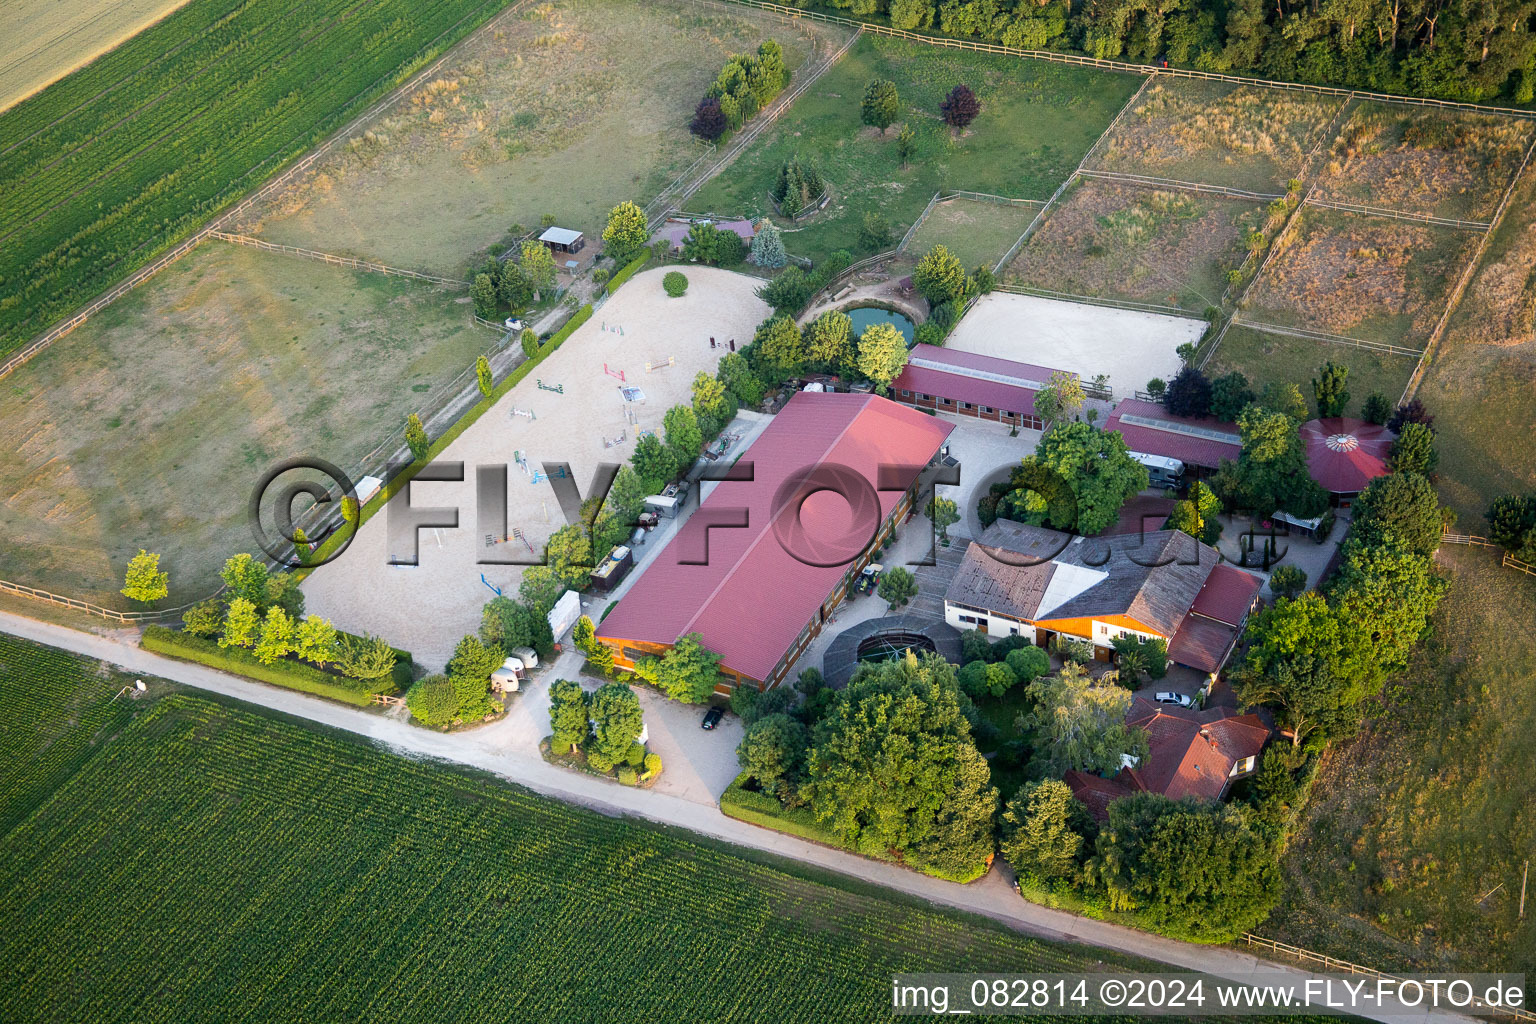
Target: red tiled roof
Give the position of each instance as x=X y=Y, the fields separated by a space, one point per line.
x=751 y=598
x=1201 y=643
x=1228 y=594
x=1345 y=454
x=1192 y=753
x=1096 y=793
x=1171 y=443
x=950 y=374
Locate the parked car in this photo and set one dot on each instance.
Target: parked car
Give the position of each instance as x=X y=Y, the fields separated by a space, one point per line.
x=868 y=579
x=1177 y=699
x=712 y=716
x=512 y=323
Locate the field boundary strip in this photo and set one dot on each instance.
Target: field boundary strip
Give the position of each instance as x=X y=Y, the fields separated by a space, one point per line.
x=1465 y=279
x=1416 y=218
x=144 y=273
x=1124 y=67
x=758 y=125
x=1185 y=186
x=327 y=257
x=1332 y=339
x=1038 y=219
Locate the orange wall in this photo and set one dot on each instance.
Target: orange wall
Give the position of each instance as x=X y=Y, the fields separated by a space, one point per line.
x=1083 y=627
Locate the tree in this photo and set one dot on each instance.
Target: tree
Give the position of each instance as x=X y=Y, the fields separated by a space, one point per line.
x=240 y=624
x=798 y=187
x=1098 y=469
x=416 y=437
x=507 y=625
x=1330 y=389
x=674 y=284
x=1403 y=505
x=540 y=588
x=881 y=105
x=897 y=586
x=483 y=292
x=709 y=121
x=1196 y=515
x=829 y=343
x=1061 y=397
x=1028 y=663
x=568 y=553
x=568 y=715
x=906 y=144
x=1080 y=723
x=683 y=437
x=882 y=355
x=710 y=401
x=1195 y=869
x=1512 y=524
x=874 y=232
x=483 y=376
x=960 y=107
x=470 y=671
x=1271 y=469
x=892 y=767
x=700 y=245
x=1046 y=831
x=512 y=286
x=789 y=291
x=245 y=577
x=144 y=582
x=276 y=639
x=688 y=671
x=653 y=463
x=626 y=232
x=203 y=618
x=1288 y=581
x=1189 y=394
x=1230 y=395
x=530 y=342
x=778 y=350
x=1376 y=409
x=1410 y=412
x=939 y=275
x=944 y=513
x=740 y=379
x=768 y=247
x=315 y=641
x=1307 y=695
x=626 y=498
x=1285 y=398
x=364 y=657
x=538 y=266
x=772 y=754
x=1414 y=450
x=433 y=701
x=616 y=721
x=1386 y=594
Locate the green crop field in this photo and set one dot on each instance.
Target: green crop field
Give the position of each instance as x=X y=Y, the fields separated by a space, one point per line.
x=1036 y=122
x=222 y=864
x=111 y=165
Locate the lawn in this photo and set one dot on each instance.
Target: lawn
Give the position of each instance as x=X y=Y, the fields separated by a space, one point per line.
x=1146 y=245
x=1265 y=357
x=114 y=164
x=1363 y=277
x=1448 y=163
x=149 y=425
x=1037 y=120
x=52 y=39
x=1412 y=847
x=566 y=109
x=975 y=230
x=1241 y=136
x=220 y=863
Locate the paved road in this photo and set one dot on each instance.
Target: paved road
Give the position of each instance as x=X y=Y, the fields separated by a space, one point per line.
x=509 y=749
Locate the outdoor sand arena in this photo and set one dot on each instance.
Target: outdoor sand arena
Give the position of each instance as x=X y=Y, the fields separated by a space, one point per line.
x=1130 y=346
x=427 y=608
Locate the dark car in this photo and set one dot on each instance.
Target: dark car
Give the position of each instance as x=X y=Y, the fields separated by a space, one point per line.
x=712 y=717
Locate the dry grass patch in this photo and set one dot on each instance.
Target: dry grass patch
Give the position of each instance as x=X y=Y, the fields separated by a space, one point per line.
x=564 y=110
x=1363 y=277
x=1447 y=163
x=1240 y=136
x=976 y=231
x=1145 y=245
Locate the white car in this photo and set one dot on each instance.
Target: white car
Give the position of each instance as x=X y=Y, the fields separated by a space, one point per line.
x=1178 y=699
x=512 y=323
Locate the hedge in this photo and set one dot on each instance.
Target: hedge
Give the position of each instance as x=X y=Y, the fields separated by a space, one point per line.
x=289 y=674
x=630 y=270
x=464 y=422
x=766 y=811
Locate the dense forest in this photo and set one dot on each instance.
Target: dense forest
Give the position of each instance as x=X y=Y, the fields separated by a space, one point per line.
x=1472 y=50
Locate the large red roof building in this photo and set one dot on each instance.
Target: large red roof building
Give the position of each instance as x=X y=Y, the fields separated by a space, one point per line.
x=763 y=562
x=1345 y=454
x=967 y=384
x=1149 y=428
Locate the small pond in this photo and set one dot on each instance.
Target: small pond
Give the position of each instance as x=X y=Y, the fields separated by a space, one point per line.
x=864 y=317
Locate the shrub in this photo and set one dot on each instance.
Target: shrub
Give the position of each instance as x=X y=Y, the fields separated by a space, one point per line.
x=674 y=283
x=433 y=701
x=289 y=674
x=599 y=761
x=628 y=776
x=1028 y=663
x=636 y=756
x=652 y=764
x=1287 y=581
x=974 y=646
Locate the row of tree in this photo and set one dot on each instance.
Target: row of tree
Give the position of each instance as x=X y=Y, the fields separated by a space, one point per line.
x=1077 y=480
x=746 y=85
x=602 y=727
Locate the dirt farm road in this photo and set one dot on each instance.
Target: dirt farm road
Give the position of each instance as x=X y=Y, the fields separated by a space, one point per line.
x=504 y=750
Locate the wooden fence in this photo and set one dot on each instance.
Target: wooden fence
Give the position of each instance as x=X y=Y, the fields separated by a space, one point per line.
x=341 y=261
x=1096 y=300
x=1332 y=339
x=111 y=614
x=1182 y=186
x=1333 y=963
x=1416 y=218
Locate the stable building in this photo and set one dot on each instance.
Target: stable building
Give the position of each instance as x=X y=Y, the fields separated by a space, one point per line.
x=563 y=240
x=1150 y=429
x=1346 y=454
x=967 y=384
x=1021 y=580
x=761 y=565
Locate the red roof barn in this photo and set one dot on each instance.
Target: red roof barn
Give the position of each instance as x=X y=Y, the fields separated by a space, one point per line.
x=1345 y=454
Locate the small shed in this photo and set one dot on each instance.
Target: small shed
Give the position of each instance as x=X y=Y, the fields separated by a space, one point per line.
x=563 y=240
